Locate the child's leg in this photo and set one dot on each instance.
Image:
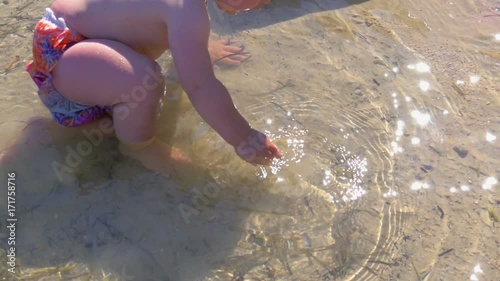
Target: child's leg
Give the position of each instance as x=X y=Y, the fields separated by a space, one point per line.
x=106 y=72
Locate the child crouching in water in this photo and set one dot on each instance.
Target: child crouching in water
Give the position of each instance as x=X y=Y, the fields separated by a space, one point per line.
x=89 y=53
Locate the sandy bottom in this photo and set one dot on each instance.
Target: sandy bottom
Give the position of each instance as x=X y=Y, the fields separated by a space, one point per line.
x=387 y=113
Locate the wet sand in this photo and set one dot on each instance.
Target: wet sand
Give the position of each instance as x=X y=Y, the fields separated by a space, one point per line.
x=387 y=112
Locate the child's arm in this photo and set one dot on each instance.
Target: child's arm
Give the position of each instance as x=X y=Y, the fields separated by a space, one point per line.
x=189 y=29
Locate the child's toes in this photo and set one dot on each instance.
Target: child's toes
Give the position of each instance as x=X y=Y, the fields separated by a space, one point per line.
x=178 y=156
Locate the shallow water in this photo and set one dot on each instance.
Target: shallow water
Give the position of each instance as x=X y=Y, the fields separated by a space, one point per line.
x=387 y=113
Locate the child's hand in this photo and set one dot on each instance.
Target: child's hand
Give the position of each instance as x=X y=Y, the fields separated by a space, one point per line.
x=257 y=149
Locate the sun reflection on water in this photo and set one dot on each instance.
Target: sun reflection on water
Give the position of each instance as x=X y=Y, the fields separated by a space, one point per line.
x=489 y=183
x=477 y=270
x=395 y=100
x=396 y=148
x=418 y=185
x=463 y=188
x=421 y=118
x=294 y=151
x=421 y=67
x=348 y=173
x=474 y=79
x=424 y=85
x=490 y=137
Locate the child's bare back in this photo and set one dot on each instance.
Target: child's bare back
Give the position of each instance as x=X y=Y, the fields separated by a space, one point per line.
x=97 y=57
x=138 y=24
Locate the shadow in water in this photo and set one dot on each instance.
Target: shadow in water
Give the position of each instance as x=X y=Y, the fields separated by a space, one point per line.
x=277 y=11
x=111 y=217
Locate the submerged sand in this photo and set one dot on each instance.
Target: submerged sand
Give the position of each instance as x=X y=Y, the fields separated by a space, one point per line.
x=387 y=112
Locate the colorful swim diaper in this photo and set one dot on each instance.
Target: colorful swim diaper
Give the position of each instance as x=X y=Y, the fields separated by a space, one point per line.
x=52 y=37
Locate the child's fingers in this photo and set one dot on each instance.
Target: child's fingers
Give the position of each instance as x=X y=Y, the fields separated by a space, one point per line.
x=231 y=58
x=230 y=41
x=238 y=57
x=275 y=152
x=233 y=49
x=229 y=61
x=273 y=149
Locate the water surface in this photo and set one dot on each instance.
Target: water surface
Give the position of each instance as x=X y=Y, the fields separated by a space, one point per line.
x=387 y=113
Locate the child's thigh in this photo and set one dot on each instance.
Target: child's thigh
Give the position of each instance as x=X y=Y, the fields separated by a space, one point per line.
x=105 y=72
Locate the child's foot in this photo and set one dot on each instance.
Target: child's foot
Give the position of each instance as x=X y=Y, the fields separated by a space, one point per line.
x=157 y=156
x=223 y=52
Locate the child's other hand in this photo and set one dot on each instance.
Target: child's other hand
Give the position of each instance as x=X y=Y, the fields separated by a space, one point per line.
x=257 y=149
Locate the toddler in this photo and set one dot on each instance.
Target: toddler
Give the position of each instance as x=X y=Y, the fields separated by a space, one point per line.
x=94 y=58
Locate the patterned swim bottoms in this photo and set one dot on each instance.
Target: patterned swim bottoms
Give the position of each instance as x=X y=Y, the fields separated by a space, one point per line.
x=52 y=37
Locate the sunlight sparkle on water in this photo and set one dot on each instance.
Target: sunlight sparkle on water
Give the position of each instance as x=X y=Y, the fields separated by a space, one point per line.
x=463 y=188
x=422 y=67
x=396 y=148
x=350 y=177
x=421 y=118
x=353 y=194
x=328 y=178
x=395 y=101
x=489 y=183
x=419 y=185
x=424 y=85
x=269 y=121
x=490 y=137
x=390 y=193
x=477 y=270
x=399 y=129
x=294 y=150
x=474 y=79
